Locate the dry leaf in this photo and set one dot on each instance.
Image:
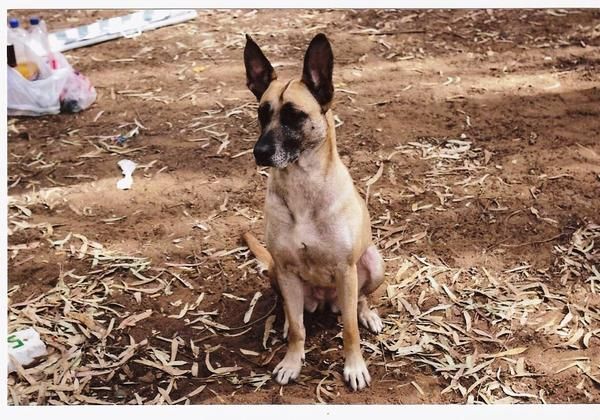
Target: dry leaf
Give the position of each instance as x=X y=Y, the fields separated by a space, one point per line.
x=253 y=302
x=131 y=320
x=268 y=327
x=221 y=370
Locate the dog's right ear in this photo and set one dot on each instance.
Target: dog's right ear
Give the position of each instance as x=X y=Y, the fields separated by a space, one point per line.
x=317 y=73
x=259 y=72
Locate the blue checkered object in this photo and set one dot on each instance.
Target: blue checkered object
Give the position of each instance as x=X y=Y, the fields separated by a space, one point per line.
x=121 y=26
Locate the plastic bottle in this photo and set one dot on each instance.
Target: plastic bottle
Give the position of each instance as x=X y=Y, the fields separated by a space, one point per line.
x=19 y=38
x=38 y=38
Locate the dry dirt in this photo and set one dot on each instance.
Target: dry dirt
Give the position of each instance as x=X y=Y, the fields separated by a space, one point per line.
x=519 y=88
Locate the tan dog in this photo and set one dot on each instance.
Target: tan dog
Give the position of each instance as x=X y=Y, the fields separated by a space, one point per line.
x=318 y=232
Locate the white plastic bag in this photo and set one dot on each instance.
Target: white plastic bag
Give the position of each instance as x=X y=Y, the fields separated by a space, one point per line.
x=78 y=93
x=37 y=97
x=61 y=89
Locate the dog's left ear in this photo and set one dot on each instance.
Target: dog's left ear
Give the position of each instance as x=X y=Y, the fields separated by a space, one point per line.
x=259 y=72
x=317 y=73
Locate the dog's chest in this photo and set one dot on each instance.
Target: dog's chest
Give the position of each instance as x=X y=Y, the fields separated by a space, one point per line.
x=311 y=253
x=308 y=226
x=308 y=247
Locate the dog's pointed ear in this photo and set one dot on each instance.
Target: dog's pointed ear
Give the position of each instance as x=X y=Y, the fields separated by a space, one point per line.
x=259 y=72
x=317 y=73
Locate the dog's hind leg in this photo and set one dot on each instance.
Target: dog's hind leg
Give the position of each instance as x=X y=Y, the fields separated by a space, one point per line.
x=371 y=272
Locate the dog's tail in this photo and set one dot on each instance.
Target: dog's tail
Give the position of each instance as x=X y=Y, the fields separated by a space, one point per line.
x=260 y=252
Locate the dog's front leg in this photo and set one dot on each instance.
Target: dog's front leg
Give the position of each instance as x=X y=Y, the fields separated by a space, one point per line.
x=293 y=304
x=355 y=369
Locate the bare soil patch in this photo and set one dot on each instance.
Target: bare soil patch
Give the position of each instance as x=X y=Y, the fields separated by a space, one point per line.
x=487 y=125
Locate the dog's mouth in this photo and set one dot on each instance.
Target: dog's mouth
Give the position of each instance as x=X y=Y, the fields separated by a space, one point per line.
x=276 y=160
x=272 y=164
x=262 y=161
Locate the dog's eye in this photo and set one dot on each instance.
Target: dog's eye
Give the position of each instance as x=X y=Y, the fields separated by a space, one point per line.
x=292 y=117
x=265 y=112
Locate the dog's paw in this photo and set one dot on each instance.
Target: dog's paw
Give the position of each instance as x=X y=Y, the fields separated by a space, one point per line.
x=356 y=373
x=288 y=369
x=335 y=309
x=370 y=319
x=310 y=305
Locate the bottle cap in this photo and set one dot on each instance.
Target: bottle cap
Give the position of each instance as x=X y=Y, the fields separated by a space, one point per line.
x=14 y=23
x=34 y=21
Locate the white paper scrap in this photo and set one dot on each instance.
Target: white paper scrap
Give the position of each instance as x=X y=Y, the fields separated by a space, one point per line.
x=127 y=167
x=24 y=346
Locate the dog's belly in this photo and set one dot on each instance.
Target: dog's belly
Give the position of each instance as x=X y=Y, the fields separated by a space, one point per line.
x=315 y=297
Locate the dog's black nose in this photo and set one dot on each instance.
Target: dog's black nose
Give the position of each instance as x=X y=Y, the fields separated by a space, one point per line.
x=264 y=150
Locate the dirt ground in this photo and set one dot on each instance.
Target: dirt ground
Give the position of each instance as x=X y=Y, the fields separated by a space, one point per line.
x=475 y=134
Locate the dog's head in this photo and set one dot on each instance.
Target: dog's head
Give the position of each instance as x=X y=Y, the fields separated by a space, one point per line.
x=291 y=114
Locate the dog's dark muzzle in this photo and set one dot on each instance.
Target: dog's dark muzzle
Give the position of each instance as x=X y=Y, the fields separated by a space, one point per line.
x=264 y=149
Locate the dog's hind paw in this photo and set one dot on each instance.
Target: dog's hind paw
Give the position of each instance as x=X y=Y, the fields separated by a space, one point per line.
x=335 y=309
x=370 y=319
x=288 y=369
x=356 y=374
